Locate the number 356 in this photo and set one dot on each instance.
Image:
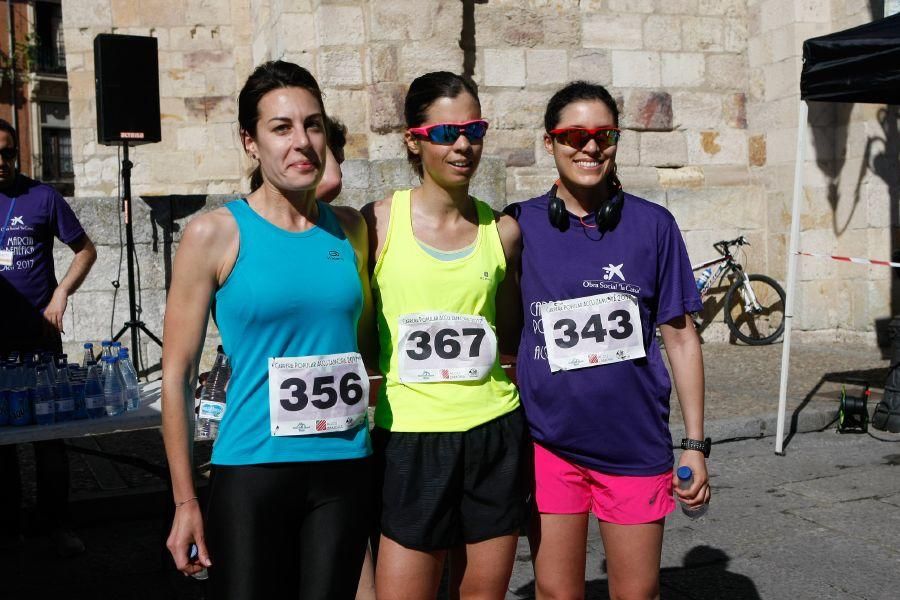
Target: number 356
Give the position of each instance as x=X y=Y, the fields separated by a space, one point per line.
x=324 y=393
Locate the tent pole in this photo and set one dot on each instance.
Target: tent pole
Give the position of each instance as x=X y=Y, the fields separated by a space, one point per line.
x=791 y=274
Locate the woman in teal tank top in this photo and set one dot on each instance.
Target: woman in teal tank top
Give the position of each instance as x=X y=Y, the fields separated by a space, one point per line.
x=287 y=514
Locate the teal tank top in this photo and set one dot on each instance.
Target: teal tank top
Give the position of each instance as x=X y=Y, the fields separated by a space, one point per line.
x=288 y=295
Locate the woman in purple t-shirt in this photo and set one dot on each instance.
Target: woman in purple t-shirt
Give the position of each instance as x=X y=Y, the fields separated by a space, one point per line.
x=601 y=269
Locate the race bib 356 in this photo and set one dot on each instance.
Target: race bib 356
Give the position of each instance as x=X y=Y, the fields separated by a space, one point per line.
x=317 y=394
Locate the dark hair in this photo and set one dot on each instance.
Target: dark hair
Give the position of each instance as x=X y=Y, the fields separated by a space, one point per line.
x=578 y=91
x=266 y=77
x=423 y=92
x=337 y=136
x=8 y=128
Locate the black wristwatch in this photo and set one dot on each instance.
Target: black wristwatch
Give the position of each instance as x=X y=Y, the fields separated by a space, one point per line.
x=704 y=446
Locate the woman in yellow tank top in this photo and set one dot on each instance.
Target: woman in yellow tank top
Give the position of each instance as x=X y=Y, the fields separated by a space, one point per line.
x=450 y=434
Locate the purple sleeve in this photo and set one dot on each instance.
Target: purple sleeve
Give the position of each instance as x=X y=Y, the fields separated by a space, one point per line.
x=677 y=291
x=65 y=224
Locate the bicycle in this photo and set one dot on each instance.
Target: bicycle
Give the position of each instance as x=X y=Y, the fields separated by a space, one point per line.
x=754 y=304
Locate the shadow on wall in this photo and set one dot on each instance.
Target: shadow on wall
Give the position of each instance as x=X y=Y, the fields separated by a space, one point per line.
x=165 y=212
x=881 y=156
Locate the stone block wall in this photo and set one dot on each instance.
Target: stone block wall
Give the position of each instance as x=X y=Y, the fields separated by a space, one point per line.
x=707 y=90
x=204 y=57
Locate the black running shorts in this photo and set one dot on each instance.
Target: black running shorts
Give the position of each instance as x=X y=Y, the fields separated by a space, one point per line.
x=440 y=490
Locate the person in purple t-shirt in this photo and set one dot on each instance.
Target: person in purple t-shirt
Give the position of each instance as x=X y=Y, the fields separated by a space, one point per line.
x=601 y=269
x=32 y=305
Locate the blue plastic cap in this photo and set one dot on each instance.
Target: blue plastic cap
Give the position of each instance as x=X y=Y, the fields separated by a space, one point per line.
x=88 y=345
x=105 y=343
x=685 y=473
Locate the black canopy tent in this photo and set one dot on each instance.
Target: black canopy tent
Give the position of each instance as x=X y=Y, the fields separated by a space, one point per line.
x=855 y=65
x=861 y=64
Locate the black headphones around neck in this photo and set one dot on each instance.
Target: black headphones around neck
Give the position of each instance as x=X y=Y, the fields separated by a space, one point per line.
x=606 y=217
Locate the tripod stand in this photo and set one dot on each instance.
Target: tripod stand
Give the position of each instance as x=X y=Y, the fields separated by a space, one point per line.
x=133 y=324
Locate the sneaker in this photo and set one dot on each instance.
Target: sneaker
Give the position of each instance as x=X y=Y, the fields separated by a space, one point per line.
x=67 y=543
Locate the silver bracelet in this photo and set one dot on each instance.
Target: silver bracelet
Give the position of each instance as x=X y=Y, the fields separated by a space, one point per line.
x=183 y=502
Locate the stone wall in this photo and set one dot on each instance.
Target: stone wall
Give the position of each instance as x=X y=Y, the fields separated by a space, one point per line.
x=708 y=92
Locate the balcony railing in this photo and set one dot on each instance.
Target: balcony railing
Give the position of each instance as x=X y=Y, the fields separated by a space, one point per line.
x=50 y=60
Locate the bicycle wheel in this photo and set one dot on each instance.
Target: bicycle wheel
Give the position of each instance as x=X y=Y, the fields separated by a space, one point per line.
x=761 y=327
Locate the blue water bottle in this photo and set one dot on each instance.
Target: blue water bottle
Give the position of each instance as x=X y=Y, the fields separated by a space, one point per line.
x=94 y=399
x=65 y=401
x=21 y=397
x=45 y=399
x=5 y=389
x=113 y=387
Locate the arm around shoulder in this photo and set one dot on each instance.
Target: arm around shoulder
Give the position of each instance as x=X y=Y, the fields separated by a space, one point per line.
x=509 y=301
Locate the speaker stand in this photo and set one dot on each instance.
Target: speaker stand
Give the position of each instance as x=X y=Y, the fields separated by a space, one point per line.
x=133 y=324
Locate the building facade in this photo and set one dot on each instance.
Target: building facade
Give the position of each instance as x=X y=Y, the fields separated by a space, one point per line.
x=708 y=91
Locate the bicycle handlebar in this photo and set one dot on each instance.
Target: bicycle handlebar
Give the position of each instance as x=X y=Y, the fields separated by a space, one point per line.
x=723 y=245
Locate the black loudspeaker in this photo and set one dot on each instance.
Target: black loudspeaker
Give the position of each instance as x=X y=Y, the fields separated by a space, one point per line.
x=126 y=70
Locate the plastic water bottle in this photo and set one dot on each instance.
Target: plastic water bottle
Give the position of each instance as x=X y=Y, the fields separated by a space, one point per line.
x=21 y=395
x=685 y=479
x=113 y=387
x=88 y=358
x=45 y=399
x=105 y=348
x=132 y=387
x=65 y=402
x=5 y=389
x=94 y=398
x=212 y=399
x=704 y=277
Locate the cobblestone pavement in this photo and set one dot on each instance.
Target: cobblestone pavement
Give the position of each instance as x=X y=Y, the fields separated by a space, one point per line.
x=763 y=502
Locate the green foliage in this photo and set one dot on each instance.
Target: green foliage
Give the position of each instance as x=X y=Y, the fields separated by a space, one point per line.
x=16 y=66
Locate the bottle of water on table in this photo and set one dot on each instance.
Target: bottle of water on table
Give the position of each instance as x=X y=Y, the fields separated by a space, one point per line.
x=212 y=399
x=685 y=479
x=88 y=358
x=22 y=393
x=65 y=402
x=5 y=389
x=113 y=387
x=94 y=398
x=132 y=387
x=45 y=399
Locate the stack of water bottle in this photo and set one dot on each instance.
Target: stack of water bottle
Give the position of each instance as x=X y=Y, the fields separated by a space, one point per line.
x=45 y=388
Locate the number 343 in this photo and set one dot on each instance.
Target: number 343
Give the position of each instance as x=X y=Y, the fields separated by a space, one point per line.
x=593 y=329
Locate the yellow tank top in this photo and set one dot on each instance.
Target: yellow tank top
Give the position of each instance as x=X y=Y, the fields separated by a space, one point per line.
x=408 y=281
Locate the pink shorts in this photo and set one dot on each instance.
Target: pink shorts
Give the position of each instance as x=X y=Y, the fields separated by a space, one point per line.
x=562 y=487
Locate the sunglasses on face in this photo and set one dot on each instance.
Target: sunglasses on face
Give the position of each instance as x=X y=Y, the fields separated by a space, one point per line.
x=578 y=137
x=8 y=153
x=448 y=133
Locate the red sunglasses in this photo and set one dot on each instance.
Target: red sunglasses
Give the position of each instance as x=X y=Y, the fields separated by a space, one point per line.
x=578 y=137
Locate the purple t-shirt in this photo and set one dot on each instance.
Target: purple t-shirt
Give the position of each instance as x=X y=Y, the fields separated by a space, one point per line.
x=611 y=417
x=33 y=214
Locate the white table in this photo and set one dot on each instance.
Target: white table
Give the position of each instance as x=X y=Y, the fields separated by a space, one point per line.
x=146 y=417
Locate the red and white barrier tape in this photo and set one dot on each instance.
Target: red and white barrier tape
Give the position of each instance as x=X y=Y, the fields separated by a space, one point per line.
x=852 y=259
